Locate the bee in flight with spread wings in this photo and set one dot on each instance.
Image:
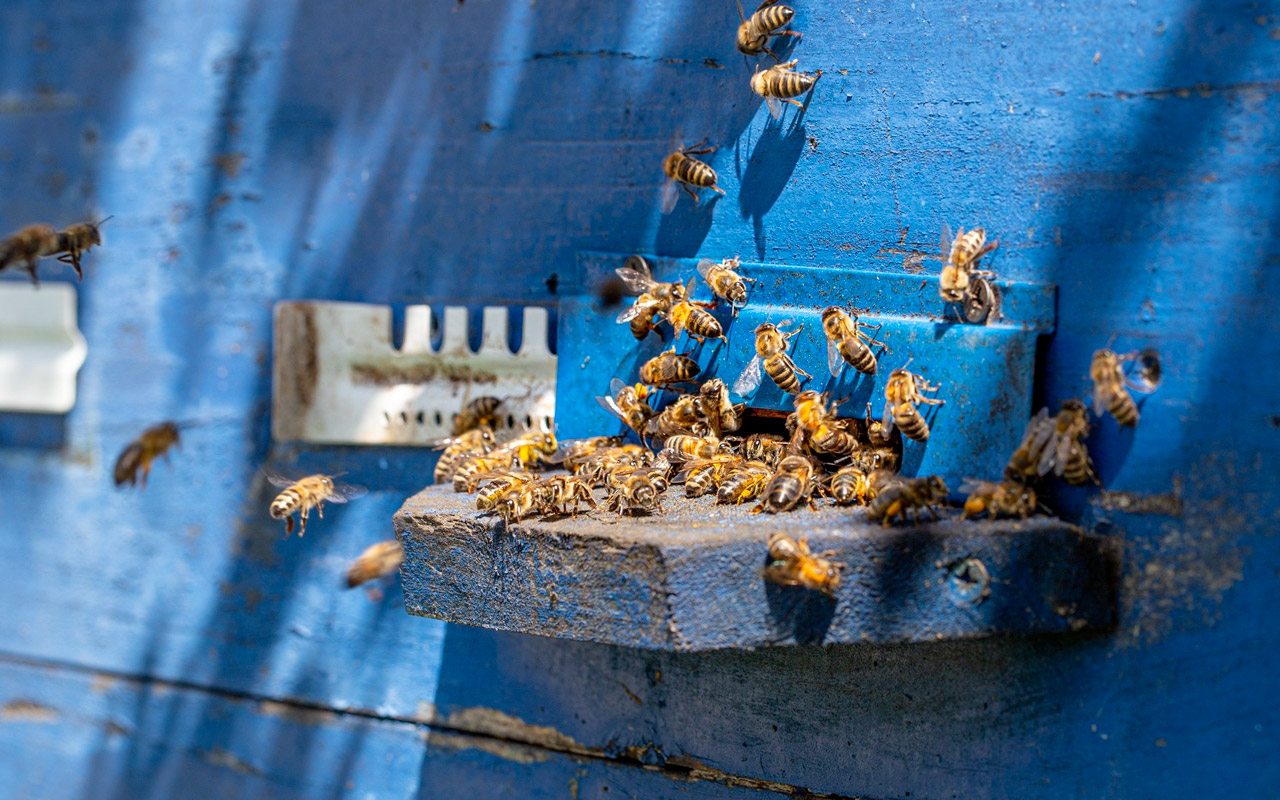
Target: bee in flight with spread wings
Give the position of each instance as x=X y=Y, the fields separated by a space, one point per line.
x=302 y=495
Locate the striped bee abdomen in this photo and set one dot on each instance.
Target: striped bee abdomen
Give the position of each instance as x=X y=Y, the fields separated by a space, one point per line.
x=285 y=503
x=858 y=355
x=774 y=17
x=912 y=424
x=693 y=171
x=1123 y=408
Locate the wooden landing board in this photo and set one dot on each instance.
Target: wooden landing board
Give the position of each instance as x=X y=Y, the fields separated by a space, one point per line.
x=691 y=579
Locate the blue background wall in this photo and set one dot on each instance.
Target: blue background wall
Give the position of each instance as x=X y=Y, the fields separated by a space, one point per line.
x=401 y=152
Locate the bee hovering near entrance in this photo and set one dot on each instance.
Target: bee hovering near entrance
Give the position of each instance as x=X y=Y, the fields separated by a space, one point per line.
x=304 y=494
x=682 y=171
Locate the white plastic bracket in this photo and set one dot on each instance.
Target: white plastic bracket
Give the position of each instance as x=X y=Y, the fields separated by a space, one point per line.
x=41 y=347
x=338 y=380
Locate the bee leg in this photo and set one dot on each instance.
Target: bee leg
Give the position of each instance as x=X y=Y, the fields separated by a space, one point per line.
x=690 y=192
x=320 y=509
x=288 y=526
x=302 y=521
x=788 y=33
x=715 y=188
x=73 y=258
x=146 y=470
x=792 y=101
x=31 y=270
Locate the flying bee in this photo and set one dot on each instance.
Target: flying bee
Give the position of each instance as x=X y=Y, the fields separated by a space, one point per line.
x=562 y=494
x=725 y=282
x=1054 y=444
x=474 y=469
x=744 y=482
x=683 y=446
x=693 y=318
x=637 y=275
x=682 y=171
x=669 y=368
x=497 y=485
x=782 y=84
x=794 y=480
x=896 y=496
x=304 y=494
x=27 y=247
x=903 y=392
x=1003 y=499
x=377 y=561
x=720 y=414
x=961 y=281
x=572 y=454
x=476 y=441
x=768 y=20
x=629 y=404
x=851 y=485
x=791 y=563
x=772 y=359
x=815 y=423
x=681 y=417
x=138 y=454
x=637 y=490
x=1111 y=385
x=478 y=413
x=76 y=240
x=847 y=344
x=703 y=475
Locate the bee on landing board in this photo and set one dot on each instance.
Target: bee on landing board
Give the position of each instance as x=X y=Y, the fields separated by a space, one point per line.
x=961 y=280
x=896 y=497
x=703 y=476
x=138 y=454
x=720 y=415
x=1003 y=499
x=725 y=282
x=637 y=490
x=1111 y=385
x=903 y=392
x=304 y=494
x=851 y=485
x=26 y=247
x=744 y=482
x=561 y=495
x=669 y=368
x=793 y=481
x=791 y=563
x=1054 y=444
x=847 y=344
x=768 y=20
x=477 y=441
x=683 y=171
x=814 y=423
x=629 y=404
x=782 y=84
x=573 y=453
x=771 y=358
x=377 y=561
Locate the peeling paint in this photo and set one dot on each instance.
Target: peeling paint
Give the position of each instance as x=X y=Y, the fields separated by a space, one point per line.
x=220 y=757
x=511 y=751
x=302 y=715
x=491 y=722
x=23 y=710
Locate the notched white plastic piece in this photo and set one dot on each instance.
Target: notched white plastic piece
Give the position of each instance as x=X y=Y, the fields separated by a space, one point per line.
x=338 y=380
x=41 y=347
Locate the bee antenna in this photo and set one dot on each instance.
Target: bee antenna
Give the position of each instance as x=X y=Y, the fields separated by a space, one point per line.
x=1112 y=340
x=100 y=222
x=741 y=15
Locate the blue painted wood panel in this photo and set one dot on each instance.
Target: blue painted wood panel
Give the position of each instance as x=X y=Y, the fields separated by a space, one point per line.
x=1126 y=153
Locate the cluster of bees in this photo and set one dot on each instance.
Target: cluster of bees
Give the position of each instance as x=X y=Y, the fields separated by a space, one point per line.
x=777 y=84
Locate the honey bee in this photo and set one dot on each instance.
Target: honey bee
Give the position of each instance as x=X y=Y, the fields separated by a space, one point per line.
x=629 y=404
x=768 y=20
x=896 y=496
x=597 y=468
x=870 y=459
x=793 y=564
x=76 y=240
x=636 y=490
x=478 y=413
x=477 y=441
x=902 y=393
x=138 y=454
x=1003 y=499
x=498 y=485
x=643 y=316
x=572 y=454
x=474 y=469
x=681 y=417
x=669 y=368
x=816 y=423
x=851 y=485
x=847 y=344
x=725 y=282
x=518 y=502
x=27 y=247
x=532 y=449
x=744 y=482
x=683 y=170
x=765 y=447
x=693 y=318
x=703 y=475
x=1054 y=444
x=377 y=561
x=794 y=480
x=304 y=494
x=721 y=415
x=682 y=446
x=562 y=494
x=961 y=281
x=1111 y=386
x=771 y=358
x=781 y=84
x=637 y=276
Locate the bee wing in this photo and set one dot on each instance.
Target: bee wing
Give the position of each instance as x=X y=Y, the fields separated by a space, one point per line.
x=670 y=194
x=835 y=361
x=611 y=406
x=342 y=492
x=886 y=421
x=975 y=486
x=279 y=480
x=1099 y=399
x=775 y=107
x=637 y=308
x=705 y=266
x=749 y=380
x=635 y=280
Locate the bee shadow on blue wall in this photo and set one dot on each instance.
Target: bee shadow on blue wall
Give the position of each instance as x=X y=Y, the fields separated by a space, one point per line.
x=772 y=161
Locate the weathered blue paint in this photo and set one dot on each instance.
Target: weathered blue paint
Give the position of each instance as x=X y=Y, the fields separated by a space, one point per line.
x=1125 y=153
x=984 y=371
x=692 y=579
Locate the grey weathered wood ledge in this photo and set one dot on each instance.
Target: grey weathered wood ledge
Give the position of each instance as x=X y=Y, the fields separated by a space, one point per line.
x=692 y=579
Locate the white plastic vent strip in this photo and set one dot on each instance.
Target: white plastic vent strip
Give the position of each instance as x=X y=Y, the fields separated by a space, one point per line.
x=338 y=380
x=41 y=347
